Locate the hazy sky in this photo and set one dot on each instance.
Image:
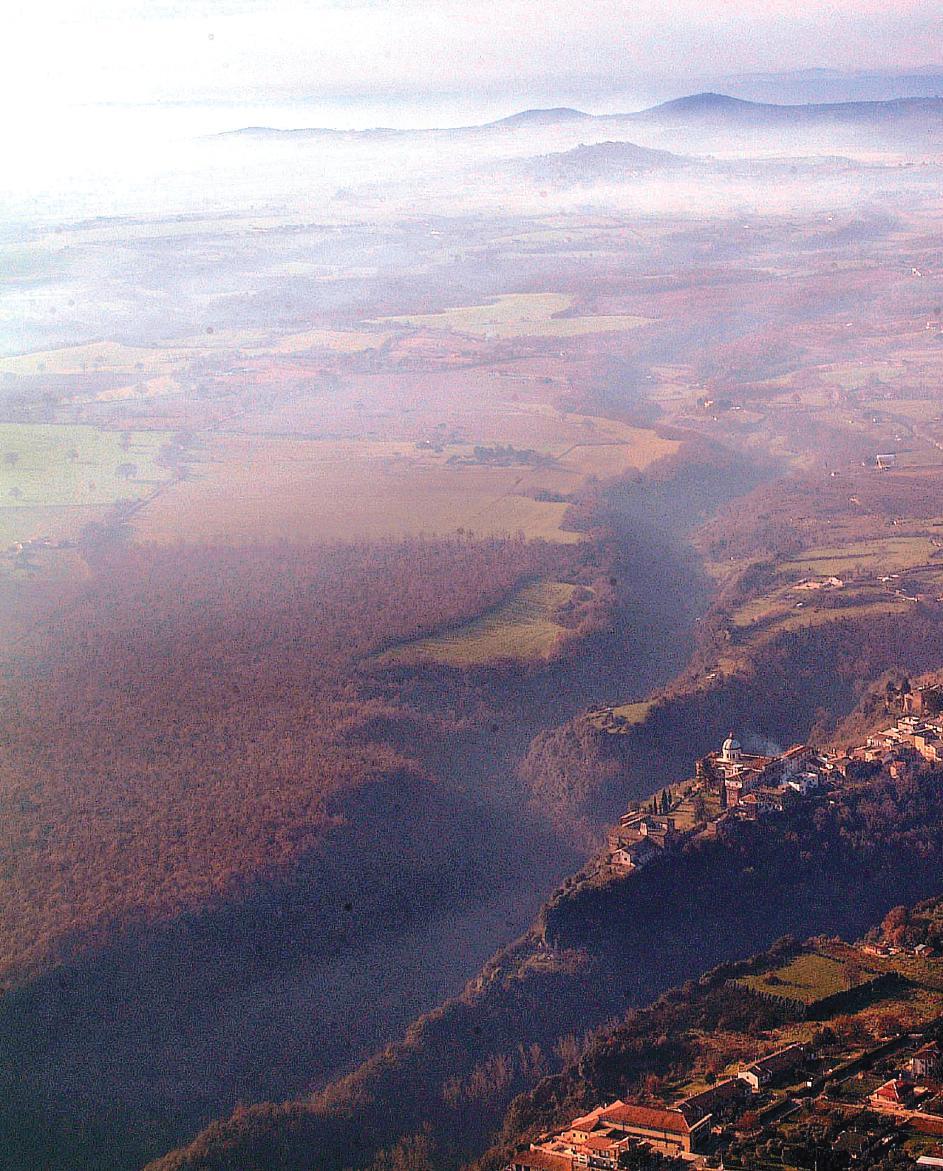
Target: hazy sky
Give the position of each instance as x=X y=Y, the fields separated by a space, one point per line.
x=65 y=52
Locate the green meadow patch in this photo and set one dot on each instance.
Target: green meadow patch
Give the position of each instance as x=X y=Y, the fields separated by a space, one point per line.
x=51 y=473
x=522 y=629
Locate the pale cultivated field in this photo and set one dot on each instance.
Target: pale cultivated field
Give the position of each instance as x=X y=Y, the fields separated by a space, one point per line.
x=148 y=388
x=460 y=408
x=252 y=488
x=521 y=629
x=161 y=361
x=915 y=410
x=344 y=342
x=98 y=357
x=62 y=523
x=852 y=375
x=520 y=315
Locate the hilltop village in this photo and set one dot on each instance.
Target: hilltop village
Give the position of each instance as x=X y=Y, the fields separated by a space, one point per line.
x=733 y=783
x=857 y=1067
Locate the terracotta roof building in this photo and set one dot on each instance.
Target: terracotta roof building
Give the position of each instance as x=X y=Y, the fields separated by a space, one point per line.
x=666 y=1129
x=541 y=1160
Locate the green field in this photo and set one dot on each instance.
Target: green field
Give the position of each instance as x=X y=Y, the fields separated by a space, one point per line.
x=917 y=410
x=785 y=608
x=883 y=556
x=808 y=979
x=520 y=315
x=764 y=608
x=854 y=375
x=112 y=357
x=51 y=474
x=633 y=713
x=162 y=362
x=624 y=717
x=522 y=629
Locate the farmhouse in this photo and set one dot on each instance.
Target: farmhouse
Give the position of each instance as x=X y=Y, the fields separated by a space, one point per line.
x=811 y=584
x=632 y=855
x=639 y=839
x=769 y=1069
x=897 y=1093
x=716 y=1099
x=667 y=1129
x=658 y=829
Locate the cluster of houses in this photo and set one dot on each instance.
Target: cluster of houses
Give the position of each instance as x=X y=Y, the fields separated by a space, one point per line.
x=24 y=548
x=908 y=746
x=734 y=783
x=817 y=584
x=742 y=784
x=913 y=1093
x=639 y=838
x=756 y=782
x=698 y=1128
x=748 y=785
x=600 y=1138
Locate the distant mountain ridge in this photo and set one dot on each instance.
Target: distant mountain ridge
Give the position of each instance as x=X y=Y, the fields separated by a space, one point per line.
x=693 y=107
x=716 y=105
x=540 y=117
x=832 y=85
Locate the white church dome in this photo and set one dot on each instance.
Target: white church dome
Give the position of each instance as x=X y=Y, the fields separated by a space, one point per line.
x=731 y=747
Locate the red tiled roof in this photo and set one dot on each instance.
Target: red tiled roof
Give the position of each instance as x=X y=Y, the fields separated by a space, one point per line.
x=796 y=750
x=588 y=1121
x=600 y=1143
x=648 y=1118
x=543 y=1161
x=889 y=1092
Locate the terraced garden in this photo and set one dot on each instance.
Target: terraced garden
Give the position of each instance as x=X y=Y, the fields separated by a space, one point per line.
x=809 y=979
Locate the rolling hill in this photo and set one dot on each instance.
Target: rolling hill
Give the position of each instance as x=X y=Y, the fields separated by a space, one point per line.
x=717 y=109
x=603 y=162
